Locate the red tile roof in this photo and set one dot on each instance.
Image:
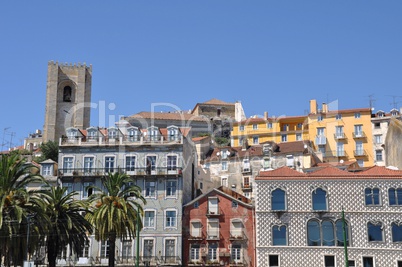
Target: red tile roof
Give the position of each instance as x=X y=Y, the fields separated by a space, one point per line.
x=196 y=139
x=215 y=101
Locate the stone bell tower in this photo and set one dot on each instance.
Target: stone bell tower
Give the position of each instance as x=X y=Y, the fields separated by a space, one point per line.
x=68 y=98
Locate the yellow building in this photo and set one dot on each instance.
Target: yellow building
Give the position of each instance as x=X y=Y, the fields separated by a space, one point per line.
x=342 y=134
x=277 y=129
x=336 y=134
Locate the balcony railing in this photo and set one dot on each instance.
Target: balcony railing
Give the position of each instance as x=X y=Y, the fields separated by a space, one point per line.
x=170 y=259
x=214 y=212
x=142 y=171
x=320 y=140
x=247 y=186
x=120 y=140
x=339 y=136
x=359 y=134
x=246 y=169
x=213 y=236
x=197 y=237
x=237 y=235
x=237 y=263
x=336 y=153
x=360 y=153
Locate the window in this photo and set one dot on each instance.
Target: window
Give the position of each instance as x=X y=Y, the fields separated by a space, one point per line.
x=395 y=196
x=255 y=126
x=236 y=228
x=196 y=204
x=285 y=127
x=377 y=125
x=127 y=245
x=339 y=132
x=224 y=153
x=299 y=125
x=360 y=162
x=196 y=229
x=171 y=163
x=153 y=134
x=69 y=187
x=171 y=186
x=319 y=197
x=372 y=196
x=358 y=130
x=213 y=228
x=68 y=164
x=279 y=235
x=326 y=233
x=170 y=250
x=378 y=139
x=67 y=93
x=213 y=252
x=104 y=253
x=351 y=263
x=357 y=115
x=273 y=260
x=241 y=141
x=359 y=148
x=284 y=137
x=278 y=200
x=112 y=133
x=89 y=164
x=269 y=125
x=109 y=164
x=149 y=218
x=399 y=264
x=195 y=252
x=173 y=133
x=234 y=204
x=246 y=181
x=321 y=131
x=298 y=137
x=396 y=232
x=321 y=149
x=246 y=165
x=170 y=218
x=319 y=118
x=130 y=163
x=378 y=155
x=224 y=165
x=329 y=261
x=241 y=128
x=150 y=189
x=368 y=262
x=340 y=152
x=375 y=232
x=213 y=205
x=84 y=253
x=133 y=134
x=46 y=170
x=338 y=116
x=88 y=190
x=255 y=140
x=236 y=253
x=151 y=165
x=148 y=248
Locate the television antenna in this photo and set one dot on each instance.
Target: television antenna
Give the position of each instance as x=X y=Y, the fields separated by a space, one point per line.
x=394 y=102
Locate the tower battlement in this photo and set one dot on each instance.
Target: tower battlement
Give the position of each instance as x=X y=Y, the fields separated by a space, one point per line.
x=70 y=65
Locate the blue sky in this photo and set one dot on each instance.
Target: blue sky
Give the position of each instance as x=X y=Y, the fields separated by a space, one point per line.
x=271 y=55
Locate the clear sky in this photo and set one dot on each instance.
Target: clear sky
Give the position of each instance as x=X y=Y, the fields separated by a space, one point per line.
x=272 y=55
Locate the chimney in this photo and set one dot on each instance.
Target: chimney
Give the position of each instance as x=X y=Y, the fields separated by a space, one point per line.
x=265 y=115
x=313 y=106
x=324 y=108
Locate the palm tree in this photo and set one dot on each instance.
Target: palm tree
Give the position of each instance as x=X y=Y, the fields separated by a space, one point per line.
x=115 y=210
x=16 y=207
x=67 y=225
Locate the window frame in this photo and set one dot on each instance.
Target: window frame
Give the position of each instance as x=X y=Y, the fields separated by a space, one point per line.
x=145 y=221
x=155 y=187
x=277 y=259
x=172 y=194
x=276 y=240
x=372 y=197
x=70 y=168
x=128 y=163
x=109 y=168
x=284 y=199
x=375 y=224
x=313 y=202
x=395 y=196
x=399 y=225
x=170 y=222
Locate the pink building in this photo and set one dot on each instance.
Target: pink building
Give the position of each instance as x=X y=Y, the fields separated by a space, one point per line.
x=218 y=230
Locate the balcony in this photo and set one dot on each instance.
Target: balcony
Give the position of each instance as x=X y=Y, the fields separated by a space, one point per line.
x=170 y=260
x=149 y=261
x=213 y=236
x=201 y=236
x=237 y=263
x=143 y=171
x=320 y=140
x=121 y=140
x=360 y=153
x=237 y=236
x=339 y=136
x=359 y=135
x=247 y=186
x=214 y=212
x=246 y=170
x=340 y=153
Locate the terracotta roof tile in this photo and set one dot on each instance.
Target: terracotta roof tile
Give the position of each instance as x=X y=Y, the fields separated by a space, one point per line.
x=215 y=101
x=280 y=173
x=196 y=139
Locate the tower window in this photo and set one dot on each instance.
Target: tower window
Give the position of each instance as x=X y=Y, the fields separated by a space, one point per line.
x=67 y=94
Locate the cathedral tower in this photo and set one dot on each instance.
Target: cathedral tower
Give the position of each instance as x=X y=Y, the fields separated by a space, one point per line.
x=68 y=98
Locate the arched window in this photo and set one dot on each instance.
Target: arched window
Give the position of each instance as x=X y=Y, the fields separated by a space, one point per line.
x=375 y=232
x=326 y=233
x=279 y=235
x=396 y=232
x=278 y=199
x=372 y=196
x=395 y=196
x=313 y=233
x=319 y=197
x=67 y=92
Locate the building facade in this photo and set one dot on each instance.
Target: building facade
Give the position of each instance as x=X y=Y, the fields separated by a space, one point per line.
x=156 y=159
x=299 y=217
x=218 y=230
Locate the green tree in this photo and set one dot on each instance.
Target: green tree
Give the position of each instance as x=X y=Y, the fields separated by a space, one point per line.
x=67 y=226
x=50 y=150
x=115 y=210
x=18 y=208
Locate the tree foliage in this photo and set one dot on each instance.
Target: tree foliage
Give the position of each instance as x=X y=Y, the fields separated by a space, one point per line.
x=50 y=150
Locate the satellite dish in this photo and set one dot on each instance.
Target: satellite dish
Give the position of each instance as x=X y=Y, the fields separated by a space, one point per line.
x=218 y=153
x=305 y=146
x=227 y=153
x=341 y=161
